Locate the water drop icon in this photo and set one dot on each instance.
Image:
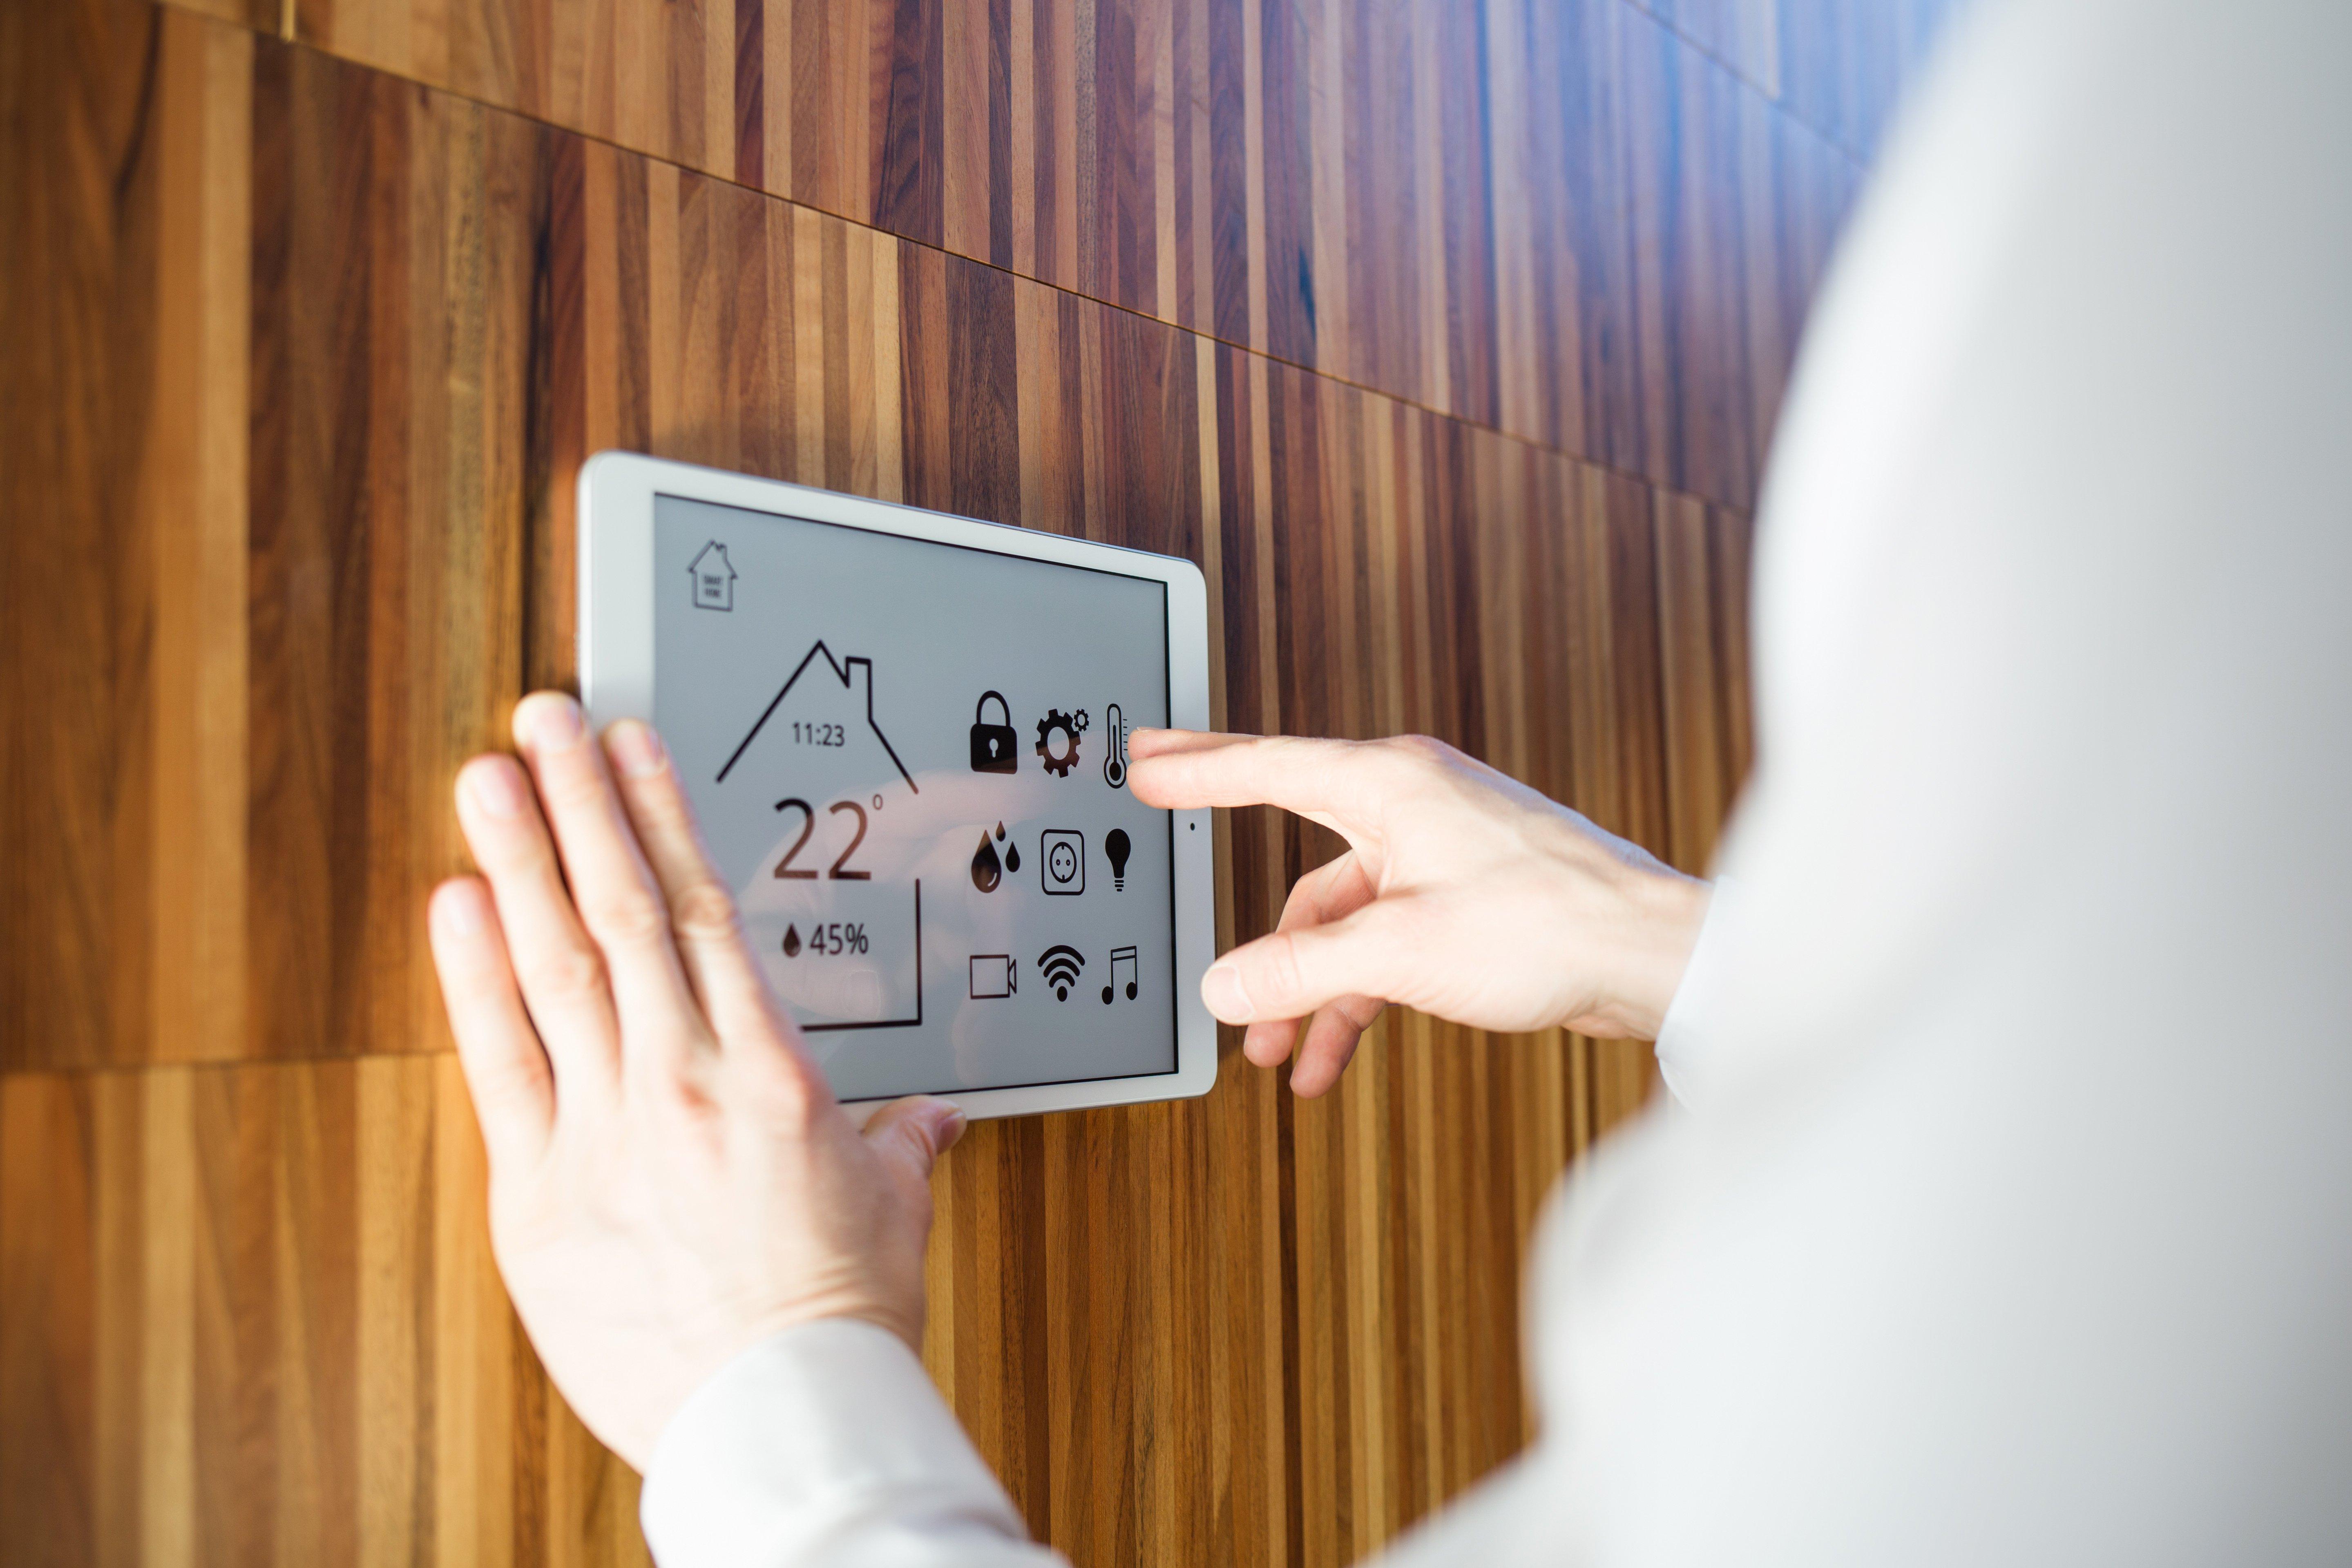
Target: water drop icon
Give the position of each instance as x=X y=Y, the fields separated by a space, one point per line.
x=792 y=942
x=986 y=871
x=1000 y=833
x=1013 y=857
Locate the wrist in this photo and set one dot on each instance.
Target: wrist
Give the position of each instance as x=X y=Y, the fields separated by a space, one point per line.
x=1660 y=913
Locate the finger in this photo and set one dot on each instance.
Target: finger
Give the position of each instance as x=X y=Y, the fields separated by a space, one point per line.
x=1332 y=1036
x=911 y=1134
x=1145 y=742
x=561 y=974
x=1291 y=974
x=1347 y=783
x=1333 y=890
x=619 y=902
x=1330 y=892
x=703 y=916
x=506 y=1066
x=1267 y=1042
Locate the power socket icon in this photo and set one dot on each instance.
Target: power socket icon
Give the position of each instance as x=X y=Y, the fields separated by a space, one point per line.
x=1062 y=860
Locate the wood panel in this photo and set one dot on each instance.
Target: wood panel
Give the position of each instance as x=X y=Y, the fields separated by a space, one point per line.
x=251 y=1317
x=1322 y=181
x=1300 y=179
x=1838 y=67
x=313 y=358
x=1844 y=64
x=1659 y=230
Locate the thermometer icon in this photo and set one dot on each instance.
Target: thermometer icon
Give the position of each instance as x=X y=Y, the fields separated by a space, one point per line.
x=1115 y=764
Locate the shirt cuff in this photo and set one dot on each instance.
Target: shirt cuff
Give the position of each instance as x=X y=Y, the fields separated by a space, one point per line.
x=1691 y=1023
x=826 y=1443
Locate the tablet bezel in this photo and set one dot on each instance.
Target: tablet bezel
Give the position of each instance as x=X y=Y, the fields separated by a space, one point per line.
x=615 y=548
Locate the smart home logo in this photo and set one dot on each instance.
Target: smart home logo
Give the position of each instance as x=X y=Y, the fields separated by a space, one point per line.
x=714 y=578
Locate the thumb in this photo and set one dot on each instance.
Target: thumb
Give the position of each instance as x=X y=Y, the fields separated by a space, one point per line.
x=911 y=1133
x=1292 y=973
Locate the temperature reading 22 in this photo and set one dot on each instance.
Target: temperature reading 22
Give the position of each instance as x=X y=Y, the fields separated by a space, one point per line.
x=840 y=868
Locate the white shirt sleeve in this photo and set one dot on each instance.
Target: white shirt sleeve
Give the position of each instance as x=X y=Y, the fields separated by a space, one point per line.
x=2014 y=1220
x=828 y=1445
x=1690 y=1024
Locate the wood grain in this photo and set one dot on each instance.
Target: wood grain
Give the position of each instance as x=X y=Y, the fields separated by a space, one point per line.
x=252 y=1317
x=308 y=358
x=1843 y=63
x=1429 y=199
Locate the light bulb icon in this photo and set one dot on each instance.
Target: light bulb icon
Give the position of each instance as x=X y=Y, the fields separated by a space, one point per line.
x=1117 y=848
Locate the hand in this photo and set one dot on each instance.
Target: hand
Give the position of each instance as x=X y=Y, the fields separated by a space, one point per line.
x=1462 y=893
x=671 y=1181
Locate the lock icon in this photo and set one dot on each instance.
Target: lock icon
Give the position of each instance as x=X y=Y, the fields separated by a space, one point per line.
x=993 y=751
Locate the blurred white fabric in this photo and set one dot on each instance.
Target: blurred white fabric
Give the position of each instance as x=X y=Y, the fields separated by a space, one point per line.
x=2010 y=1220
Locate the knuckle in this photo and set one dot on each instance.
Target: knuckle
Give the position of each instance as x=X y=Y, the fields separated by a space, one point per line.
x=1284 y=974
x=570 y=974
x=704 y=911
x=1417 y=760
x=787 y=1100
x=635 y=916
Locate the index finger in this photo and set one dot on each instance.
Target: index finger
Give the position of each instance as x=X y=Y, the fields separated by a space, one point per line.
x=1343 y=784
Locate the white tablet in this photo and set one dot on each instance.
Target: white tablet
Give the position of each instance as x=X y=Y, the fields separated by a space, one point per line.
x=904 y=733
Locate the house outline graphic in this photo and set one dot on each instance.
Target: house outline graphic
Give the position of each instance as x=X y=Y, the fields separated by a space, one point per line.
x=843 y=670
x=712 y=590
x=847 y=672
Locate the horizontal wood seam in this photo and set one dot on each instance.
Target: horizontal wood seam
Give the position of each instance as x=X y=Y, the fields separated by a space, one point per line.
x=1640 y=475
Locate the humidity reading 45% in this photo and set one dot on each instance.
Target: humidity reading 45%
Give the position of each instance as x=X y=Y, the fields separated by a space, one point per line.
x=828 y=940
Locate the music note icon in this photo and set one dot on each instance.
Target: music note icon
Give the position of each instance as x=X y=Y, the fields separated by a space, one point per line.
x=1122 y=961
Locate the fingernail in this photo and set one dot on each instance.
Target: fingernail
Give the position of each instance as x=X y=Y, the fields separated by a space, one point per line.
x=636 y=750
x=457 y=914
x=950 y=1129
x=495 y=788
x=1221 y=988
x=555 y=724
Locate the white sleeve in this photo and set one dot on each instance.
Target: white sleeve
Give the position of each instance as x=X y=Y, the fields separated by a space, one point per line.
x=826 y=1443
x=1691 y=1023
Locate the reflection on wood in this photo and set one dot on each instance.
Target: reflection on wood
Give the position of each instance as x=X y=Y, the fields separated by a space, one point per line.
x=301 y=362
x=1315 y=180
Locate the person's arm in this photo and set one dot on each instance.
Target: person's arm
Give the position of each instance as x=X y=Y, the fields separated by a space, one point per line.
x=1693 y=1024
x=724 y=1277
x=720 y=1273
x=1462 y=893
x=826 y=1443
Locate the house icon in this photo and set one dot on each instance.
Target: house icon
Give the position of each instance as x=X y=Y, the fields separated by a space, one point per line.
x=714 y=578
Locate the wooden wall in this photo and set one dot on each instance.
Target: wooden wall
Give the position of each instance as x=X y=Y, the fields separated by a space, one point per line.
x=1447 y=337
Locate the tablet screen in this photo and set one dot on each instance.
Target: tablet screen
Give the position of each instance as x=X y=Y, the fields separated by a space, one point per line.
x=908 y=761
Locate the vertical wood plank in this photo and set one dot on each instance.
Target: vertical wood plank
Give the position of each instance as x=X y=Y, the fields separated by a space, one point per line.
x=325 y=351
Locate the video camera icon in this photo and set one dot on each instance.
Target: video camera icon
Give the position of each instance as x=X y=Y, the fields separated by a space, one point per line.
x=994 y=976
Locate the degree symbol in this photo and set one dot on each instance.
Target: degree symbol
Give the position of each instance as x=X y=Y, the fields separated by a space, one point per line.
x=877 y=803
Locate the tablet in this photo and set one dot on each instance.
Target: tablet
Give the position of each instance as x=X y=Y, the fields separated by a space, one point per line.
x=904 y=734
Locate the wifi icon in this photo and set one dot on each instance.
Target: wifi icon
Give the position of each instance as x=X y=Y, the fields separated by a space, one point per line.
x=1060 y=964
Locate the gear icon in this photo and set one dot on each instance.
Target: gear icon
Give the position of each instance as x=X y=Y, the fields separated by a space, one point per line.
x=1071 y=725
